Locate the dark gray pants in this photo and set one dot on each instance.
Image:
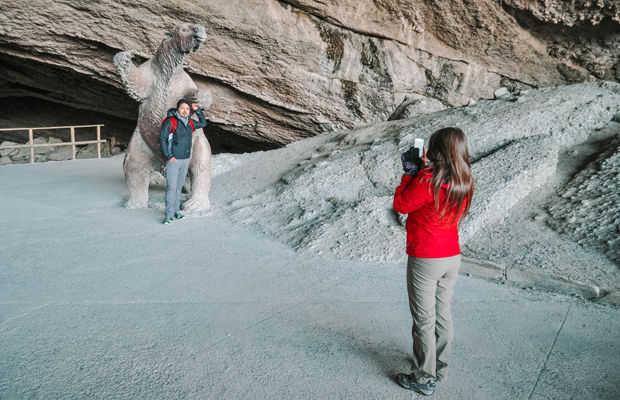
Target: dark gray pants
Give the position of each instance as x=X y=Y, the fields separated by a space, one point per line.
x=176 y=171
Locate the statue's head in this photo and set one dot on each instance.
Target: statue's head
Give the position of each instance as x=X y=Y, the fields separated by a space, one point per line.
x=187 y=37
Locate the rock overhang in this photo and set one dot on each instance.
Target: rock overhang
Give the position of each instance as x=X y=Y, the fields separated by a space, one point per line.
x=282 y=71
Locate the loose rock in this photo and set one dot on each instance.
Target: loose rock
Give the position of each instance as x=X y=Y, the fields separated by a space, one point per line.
x=414 y=106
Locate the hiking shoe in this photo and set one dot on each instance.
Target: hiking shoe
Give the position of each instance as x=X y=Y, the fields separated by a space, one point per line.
x=405 y=381
x=178 y=215
x=167 y=220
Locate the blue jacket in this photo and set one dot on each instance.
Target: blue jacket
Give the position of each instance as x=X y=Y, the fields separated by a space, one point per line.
x=180 y=146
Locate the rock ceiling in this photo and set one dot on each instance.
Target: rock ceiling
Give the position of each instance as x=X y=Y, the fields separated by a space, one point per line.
x=283 y=70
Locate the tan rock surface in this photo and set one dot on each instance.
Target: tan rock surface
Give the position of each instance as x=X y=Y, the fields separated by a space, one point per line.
x=283 y=70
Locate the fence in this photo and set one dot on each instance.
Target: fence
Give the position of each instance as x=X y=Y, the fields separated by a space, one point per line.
x=72 y=143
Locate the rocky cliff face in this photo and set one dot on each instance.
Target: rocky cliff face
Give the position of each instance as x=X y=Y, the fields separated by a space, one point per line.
x=283 y=70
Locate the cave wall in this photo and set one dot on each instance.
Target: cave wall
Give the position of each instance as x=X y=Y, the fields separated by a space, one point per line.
x=284 y=70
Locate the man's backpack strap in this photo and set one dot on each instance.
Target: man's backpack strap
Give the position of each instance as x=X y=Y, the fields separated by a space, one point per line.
x=173 y=124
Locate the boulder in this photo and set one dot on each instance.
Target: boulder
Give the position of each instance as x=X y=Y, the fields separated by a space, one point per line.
x=60 y=153
x=414 y=106
x=19 y=159
x=41 y=150
x=115 y=150
x=14 y=153
x=88 y=151
x=9 y=152
x=157 y=179
x=105 y=149
x=502 y=93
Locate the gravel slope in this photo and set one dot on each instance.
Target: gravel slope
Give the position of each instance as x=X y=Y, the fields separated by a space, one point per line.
x=331 y=195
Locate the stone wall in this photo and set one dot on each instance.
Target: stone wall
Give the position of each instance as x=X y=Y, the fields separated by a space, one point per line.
x=54 y=153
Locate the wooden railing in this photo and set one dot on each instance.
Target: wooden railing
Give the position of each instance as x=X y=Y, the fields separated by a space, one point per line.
x=72 y=143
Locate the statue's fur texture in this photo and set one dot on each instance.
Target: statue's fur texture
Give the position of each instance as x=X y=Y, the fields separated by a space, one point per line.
x=158 y=84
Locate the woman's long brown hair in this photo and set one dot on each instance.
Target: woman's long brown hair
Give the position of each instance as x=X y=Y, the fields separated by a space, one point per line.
x=448 y=154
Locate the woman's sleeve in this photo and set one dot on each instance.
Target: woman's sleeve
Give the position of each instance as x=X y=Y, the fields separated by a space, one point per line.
x=412 y=193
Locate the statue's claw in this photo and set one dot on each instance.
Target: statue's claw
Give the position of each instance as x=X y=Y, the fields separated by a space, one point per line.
x=197 y=204
x=133 y=204
x=123 y=59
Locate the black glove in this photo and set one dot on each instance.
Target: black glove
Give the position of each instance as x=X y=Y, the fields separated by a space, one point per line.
x=412 y=162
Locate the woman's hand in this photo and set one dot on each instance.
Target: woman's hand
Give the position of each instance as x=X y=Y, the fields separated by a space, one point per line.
x=172 y=160
x=423 y=158
x=412 y=162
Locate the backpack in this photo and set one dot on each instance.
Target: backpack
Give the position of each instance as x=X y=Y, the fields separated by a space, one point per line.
x=173 y=125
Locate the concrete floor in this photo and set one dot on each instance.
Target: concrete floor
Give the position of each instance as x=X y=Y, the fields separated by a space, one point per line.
x=101 y=302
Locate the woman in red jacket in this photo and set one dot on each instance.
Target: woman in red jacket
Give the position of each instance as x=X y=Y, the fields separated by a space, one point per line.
x=435 y=193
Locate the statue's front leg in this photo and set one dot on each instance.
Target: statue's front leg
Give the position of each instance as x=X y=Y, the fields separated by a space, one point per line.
x=137 y=167
x=137 y=80
x=200 y=175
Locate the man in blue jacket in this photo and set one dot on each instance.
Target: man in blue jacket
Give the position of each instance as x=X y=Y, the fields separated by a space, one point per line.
x=175 y=141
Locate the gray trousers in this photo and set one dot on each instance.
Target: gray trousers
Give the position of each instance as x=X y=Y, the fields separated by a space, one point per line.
x=430 y=284
x=176 y=171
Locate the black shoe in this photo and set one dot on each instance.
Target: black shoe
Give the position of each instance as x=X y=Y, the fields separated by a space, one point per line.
x=405 y=381
x=178 y=215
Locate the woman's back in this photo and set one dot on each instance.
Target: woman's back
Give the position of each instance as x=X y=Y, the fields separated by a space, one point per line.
x=429 y=235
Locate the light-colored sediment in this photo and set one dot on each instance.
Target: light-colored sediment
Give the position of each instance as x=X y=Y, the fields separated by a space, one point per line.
x=335 y=193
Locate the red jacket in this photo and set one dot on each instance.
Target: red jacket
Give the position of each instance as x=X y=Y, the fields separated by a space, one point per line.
x=427 y=236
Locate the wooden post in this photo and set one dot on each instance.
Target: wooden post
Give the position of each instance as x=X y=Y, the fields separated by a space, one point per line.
x=98 y=144
x=73 y=141
x=31 y=139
